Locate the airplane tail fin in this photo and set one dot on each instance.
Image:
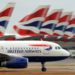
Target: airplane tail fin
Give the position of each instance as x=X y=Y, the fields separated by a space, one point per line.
x=70 y=29
x=62 y=24
x=50 y=22
x=30 y=24
x=5 y=15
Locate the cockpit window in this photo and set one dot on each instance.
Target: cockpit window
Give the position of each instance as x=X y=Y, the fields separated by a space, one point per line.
x=57 y=47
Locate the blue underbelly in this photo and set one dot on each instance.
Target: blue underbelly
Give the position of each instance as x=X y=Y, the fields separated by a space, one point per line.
x=45 y=58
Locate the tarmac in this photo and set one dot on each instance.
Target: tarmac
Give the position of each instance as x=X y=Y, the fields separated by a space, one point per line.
x=63 y=67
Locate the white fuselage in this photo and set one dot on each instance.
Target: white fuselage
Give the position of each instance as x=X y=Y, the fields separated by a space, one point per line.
x=32 y=49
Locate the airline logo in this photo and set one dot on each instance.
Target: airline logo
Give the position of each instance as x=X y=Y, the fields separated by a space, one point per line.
x=62 y=23
x=30 y=24
x=5 y=15
x=50 y=22
x=69 y=31
x=49 y=48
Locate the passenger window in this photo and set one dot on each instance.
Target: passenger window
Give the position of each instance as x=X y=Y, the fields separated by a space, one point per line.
x=32 y=48
x=21 y=48
x=6 y=47
x=29 y=48
x=35 y=48
x=10 y=48
x=26 y=48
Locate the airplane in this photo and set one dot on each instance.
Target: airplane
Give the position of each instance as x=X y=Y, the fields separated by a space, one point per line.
x=17 y=54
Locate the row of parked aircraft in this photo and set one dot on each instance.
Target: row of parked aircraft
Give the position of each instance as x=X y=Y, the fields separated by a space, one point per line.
x=39 y=23
x=17 y=54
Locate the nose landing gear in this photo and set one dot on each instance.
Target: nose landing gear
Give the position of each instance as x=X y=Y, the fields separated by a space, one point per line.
x=43 y=67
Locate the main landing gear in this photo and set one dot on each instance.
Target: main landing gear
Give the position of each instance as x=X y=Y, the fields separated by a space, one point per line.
x=43 y=67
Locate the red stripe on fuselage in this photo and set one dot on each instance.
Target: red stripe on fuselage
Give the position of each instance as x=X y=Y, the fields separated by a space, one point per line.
x=39 y=45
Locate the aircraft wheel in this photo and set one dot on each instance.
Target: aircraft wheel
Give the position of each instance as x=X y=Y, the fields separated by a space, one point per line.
x=44 y=69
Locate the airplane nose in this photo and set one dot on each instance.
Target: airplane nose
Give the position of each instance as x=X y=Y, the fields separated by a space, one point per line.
x=66 y=53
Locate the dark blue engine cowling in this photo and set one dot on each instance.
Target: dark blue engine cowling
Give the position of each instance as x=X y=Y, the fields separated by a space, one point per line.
x=17 y=62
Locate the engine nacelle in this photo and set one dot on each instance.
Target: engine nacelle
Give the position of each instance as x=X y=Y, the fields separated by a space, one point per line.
x=17 y=62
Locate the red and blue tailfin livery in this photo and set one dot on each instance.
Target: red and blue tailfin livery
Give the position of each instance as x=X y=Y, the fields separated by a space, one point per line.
x=62 y=23
x=5 y=15
x=50 y=22
x=30 y=24
x=70 y=29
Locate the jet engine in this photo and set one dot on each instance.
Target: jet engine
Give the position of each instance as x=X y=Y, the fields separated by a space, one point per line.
x=17 y=62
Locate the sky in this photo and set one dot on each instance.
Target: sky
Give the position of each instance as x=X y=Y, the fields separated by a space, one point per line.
x=24 y=7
